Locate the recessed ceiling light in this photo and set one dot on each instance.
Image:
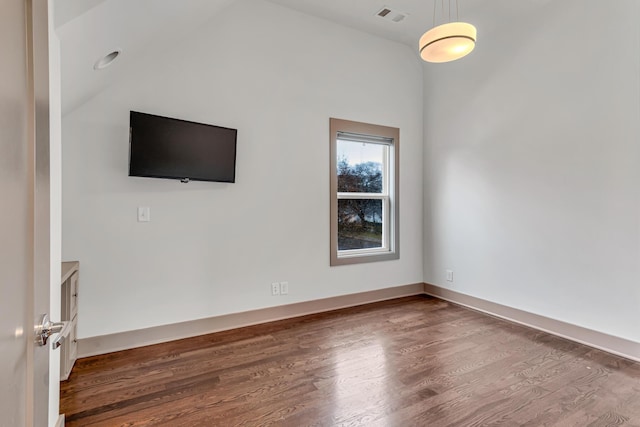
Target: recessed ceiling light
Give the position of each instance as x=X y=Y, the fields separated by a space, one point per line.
x=106 y=60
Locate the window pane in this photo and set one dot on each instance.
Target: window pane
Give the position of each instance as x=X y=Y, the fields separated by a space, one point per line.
x=360 y=167
x=359 y=224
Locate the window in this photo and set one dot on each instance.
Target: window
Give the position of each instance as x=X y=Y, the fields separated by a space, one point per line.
x=364 y=192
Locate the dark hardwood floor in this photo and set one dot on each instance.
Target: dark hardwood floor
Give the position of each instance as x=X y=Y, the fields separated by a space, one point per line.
x=415 y=361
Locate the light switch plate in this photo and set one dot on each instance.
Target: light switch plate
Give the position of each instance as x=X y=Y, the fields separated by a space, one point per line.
x=144 y=214
x=284 y=288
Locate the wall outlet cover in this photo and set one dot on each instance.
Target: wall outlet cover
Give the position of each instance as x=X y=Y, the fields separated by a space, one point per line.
x=275 y=288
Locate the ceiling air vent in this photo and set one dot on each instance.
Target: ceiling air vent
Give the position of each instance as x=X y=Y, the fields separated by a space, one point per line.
x=389 y=14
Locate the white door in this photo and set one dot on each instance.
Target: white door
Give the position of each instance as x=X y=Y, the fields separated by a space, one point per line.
x=24 y=211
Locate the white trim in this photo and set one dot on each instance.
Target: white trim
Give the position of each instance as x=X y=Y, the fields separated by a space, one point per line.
x=351 y=253
x=611 y=344
x=60 y=422
x=362 y=196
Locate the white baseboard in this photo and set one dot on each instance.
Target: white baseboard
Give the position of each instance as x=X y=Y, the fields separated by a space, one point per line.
x=131 y=339
x=60 y=422
x=609 y=343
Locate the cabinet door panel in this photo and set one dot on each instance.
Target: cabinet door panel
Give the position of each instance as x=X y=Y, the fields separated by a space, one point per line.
x=73 y=345
x=73 y=297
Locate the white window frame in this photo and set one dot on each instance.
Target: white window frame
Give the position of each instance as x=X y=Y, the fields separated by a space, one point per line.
x=371 y=134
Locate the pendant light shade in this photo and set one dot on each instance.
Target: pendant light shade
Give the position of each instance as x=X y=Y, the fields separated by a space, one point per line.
x=447 y=42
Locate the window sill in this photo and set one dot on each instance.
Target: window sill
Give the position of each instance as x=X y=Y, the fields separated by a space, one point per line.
x=361 y=258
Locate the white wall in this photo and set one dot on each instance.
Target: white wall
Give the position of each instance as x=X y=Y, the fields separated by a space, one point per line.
x=532 y=166
x=211 y=248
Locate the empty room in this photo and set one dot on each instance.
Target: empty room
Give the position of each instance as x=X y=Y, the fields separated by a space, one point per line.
x=324 y=213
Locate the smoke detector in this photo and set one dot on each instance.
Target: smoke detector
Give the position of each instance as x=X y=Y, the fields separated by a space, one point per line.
x=392 y=15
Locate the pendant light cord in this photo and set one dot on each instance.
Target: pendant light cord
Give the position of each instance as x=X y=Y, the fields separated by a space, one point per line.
x=434 y=13
x=444 y=15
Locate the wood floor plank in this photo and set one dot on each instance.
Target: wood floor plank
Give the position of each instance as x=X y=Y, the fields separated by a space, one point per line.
x=415 y=361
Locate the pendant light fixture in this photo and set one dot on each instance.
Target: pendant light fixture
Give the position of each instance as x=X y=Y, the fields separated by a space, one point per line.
x=449 y=41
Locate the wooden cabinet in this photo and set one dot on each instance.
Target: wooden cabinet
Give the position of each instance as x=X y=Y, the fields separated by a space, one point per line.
x=69 y=305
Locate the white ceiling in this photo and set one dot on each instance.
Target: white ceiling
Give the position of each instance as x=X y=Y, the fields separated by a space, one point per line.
x=362 y=14
x=89 y=29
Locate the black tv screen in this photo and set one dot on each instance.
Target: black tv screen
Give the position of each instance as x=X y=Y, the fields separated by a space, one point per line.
x=162 y=147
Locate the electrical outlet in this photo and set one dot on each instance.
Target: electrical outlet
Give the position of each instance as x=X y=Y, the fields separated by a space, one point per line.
x=284 y=288
x=275 y=288
x=449 y=275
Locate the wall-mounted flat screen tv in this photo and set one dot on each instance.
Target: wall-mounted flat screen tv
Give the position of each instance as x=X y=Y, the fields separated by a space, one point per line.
x=162 y=147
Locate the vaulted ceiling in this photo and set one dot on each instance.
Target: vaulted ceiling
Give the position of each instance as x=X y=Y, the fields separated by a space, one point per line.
x=89 y=29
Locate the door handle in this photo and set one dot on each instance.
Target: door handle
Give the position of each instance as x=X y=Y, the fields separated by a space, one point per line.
x=46 y=328
x=62 y=336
